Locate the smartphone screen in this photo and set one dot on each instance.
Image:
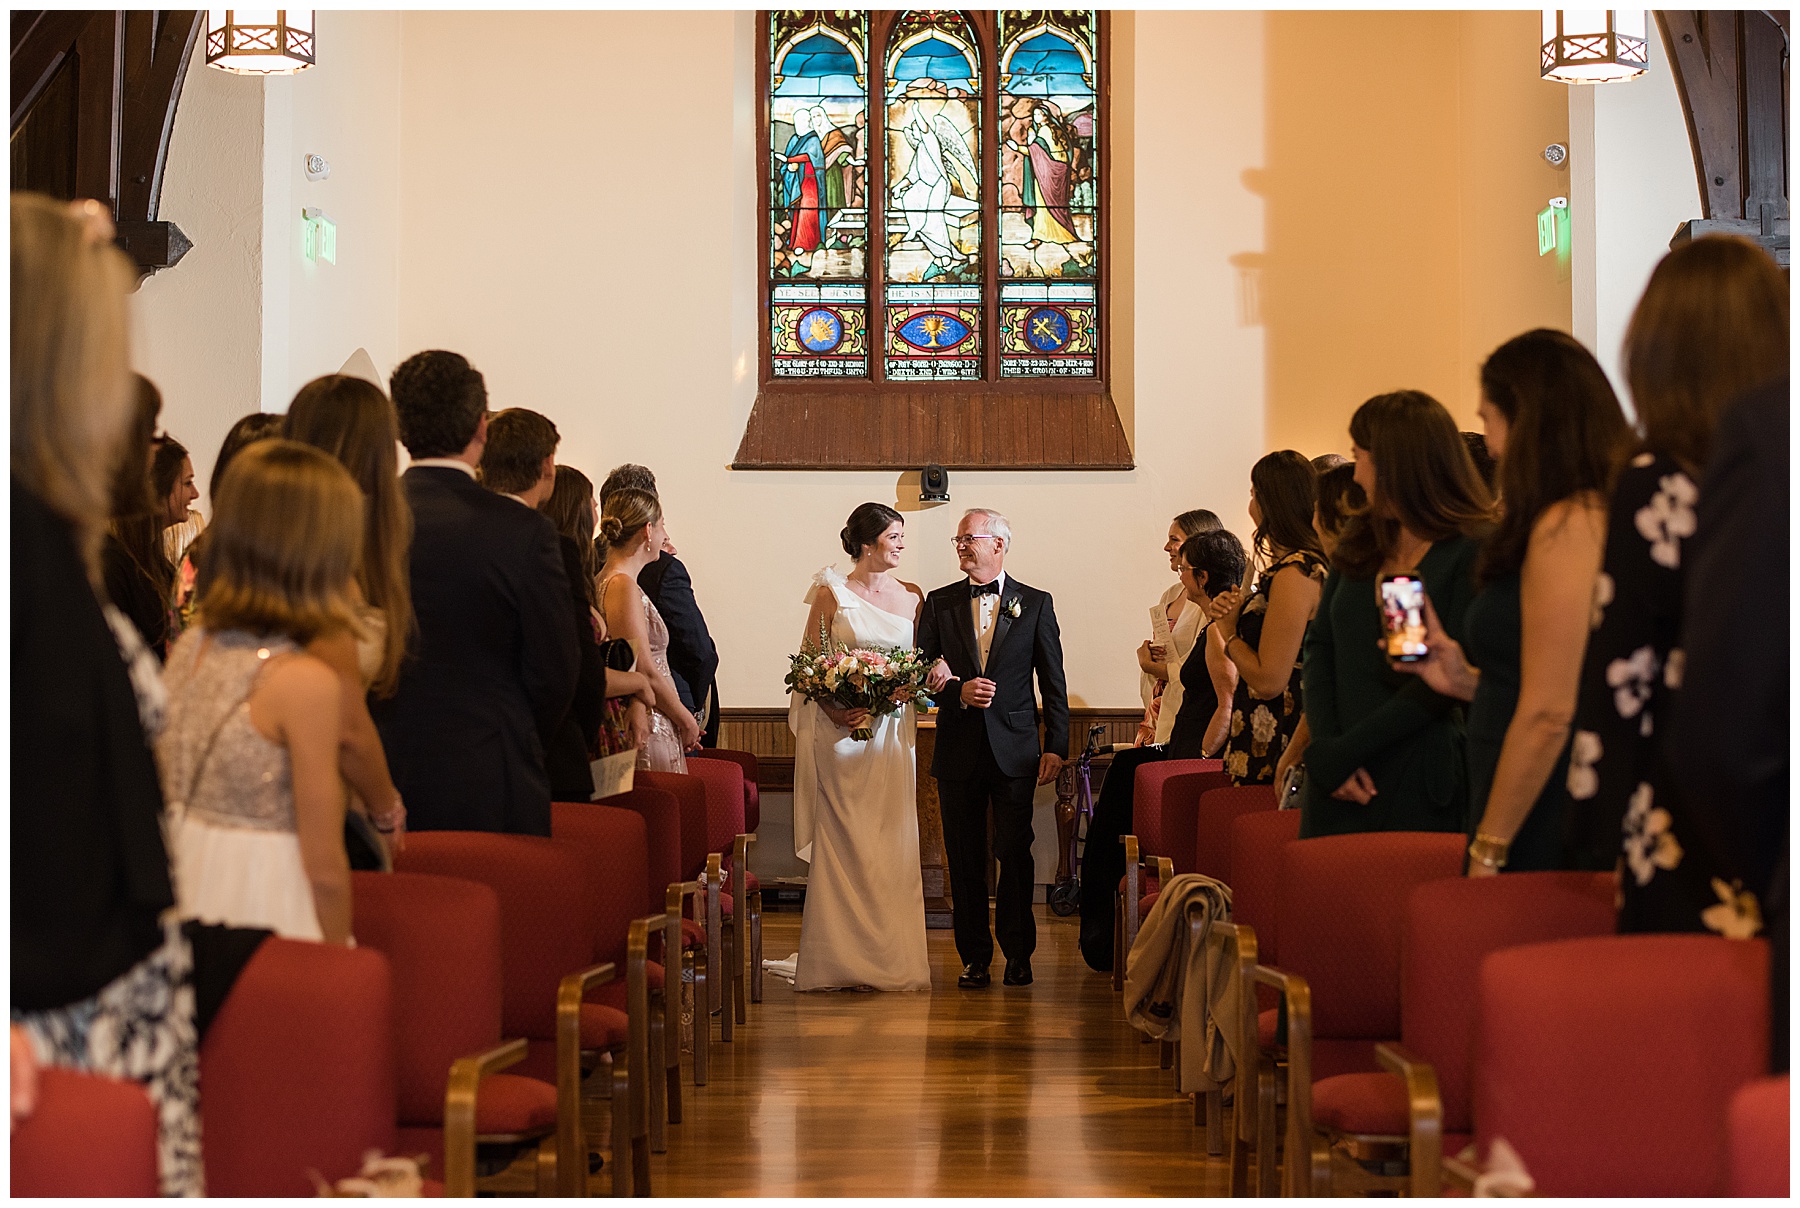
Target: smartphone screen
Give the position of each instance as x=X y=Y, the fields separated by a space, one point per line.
x=1403 y=617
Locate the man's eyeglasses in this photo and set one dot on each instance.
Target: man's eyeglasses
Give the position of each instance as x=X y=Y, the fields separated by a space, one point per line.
x=966 y=542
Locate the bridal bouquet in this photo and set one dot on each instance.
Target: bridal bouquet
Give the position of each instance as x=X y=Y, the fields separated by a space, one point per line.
x=880 y=679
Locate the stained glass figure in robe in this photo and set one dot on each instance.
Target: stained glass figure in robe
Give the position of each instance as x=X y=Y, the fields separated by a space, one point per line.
x=818 y=141
x=1049 y=207
x=933 y=150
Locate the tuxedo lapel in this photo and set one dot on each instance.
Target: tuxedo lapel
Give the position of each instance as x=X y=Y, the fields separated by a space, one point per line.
x=964 y=626
x=1003 y=622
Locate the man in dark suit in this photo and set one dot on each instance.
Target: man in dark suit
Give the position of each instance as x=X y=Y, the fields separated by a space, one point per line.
x=693 y=659
x=988 y=635
x=491 y=668
x=519 y=463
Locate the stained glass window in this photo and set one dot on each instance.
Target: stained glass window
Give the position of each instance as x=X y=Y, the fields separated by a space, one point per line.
x=1049 y=194
x=934 y=252
x=880 y=128
x=818 y=193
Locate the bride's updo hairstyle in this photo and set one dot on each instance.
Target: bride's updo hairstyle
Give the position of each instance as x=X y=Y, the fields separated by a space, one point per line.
x=624 y=515
x=865 y=526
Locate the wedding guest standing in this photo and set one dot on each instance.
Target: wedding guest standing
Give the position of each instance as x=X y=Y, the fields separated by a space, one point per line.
x=1160 y=667
x=1733 y=702
x=1338 y=495
x=1387 y=751
x=352 y=420
x=1556 y=427
x=249 y=753
x=494 y=665
x=102 y=977
x=139 y=579
x=631 y=525
x=693 y=659
x=1262 y=633
x=258 y=425
x=1712 y=324
x=1209 y=562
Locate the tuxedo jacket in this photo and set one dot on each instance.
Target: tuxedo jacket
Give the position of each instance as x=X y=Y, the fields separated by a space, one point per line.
x=1023 y=646
x=491 y=668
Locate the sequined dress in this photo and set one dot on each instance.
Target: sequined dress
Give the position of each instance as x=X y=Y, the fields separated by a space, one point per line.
x=230 y=791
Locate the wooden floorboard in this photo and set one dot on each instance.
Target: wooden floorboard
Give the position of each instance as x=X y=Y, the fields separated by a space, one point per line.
x=1042 y=1090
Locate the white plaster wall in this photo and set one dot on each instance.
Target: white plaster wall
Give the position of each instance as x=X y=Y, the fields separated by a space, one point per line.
x=346 y=108
x=196 y=328
x=1632 y=172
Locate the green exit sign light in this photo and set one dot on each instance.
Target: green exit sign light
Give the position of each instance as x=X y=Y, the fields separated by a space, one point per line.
x=318 y=241
x=1553 y=227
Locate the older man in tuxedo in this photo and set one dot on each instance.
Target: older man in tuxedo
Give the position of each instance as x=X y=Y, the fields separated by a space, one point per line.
x=989 y=635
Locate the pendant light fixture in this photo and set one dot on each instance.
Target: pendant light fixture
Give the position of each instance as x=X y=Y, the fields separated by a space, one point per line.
x=1595 y=45
x=260 y=41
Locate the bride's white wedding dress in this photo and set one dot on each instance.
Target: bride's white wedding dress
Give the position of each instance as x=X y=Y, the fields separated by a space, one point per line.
x=856 y=821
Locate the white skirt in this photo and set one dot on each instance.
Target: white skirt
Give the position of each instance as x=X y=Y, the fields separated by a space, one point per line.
x=244 y=878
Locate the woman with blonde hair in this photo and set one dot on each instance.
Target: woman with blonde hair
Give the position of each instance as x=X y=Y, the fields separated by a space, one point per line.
x=631 y=525
x=101 y=973
x=1711 y=326
x=249 y=756
x=352 y=420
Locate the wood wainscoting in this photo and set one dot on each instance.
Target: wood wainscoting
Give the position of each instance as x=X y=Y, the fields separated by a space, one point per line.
x=765 y=734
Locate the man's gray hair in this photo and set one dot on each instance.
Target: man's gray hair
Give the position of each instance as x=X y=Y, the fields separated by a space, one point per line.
x=996 y=524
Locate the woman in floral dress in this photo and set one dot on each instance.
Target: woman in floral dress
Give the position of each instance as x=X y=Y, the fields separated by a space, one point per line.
x=1263 y=632
x=1712 y=324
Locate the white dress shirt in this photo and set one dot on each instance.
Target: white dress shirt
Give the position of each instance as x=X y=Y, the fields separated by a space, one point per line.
x=983 y=610
x=446 y=463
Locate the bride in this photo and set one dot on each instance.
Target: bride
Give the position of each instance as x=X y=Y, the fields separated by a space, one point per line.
x=855 y=811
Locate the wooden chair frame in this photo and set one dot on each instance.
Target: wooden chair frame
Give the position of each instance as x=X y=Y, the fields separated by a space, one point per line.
x=678 y=957
x=571 y=1134
x=1126 y=921
x=461 y=1095
x=745 y=903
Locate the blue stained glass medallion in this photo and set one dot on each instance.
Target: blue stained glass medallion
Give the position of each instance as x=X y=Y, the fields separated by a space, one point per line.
x=819 y=330
x=934 y=331
x=1047 y=329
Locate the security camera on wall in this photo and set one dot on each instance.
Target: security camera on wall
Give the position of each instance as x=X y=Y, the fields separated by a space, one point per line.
x=934 y=484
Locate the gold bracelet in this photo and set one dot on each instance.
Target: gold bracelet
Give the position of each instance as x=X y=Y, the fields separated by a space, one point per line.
x=1489 y=851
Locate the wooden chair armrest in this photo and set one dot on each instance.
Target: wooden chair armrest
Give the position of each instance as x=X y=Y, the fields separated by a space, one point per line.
x=571 y=1161
x=1134 y=886
x=1310 y=1177
x=1459 y=1176
x=1165 y=870
x=1425 y=1116
x=466 y=1074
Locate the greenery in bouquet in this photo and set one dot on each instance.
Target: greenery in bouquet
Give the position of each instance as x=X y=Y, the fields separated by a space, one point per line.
x=880 y=679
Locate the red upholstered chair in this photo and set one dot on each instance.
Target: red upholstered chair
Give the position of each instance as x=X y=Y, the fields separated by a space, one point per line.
x=613 y=841
x=1341 y=914
x=547 y=929
x=441 y=937
x=89 y=1136
x=731 y=897
x=669 y=893
x=752 y=781
x=1423 y=1103
x=703 y=947
x=1257 y=840
x=297 y=1070
x=1609 y=1063
x=1759 y=1140
x=1164 y=799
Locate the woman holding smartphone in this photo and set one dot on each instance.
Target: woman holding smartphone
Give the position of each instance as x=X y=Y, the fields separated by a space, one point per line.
x=1386 y=750
x=1554 y=423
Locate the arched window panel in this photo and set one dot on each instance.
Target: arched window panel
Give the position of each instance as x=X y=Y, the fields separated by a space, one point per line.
x=818 y=193
x=934 y=251
x=1049 y=212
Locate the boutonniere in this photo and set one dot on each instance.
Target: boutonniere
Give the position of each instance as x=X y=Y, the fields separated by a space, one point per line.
x=1011 y=608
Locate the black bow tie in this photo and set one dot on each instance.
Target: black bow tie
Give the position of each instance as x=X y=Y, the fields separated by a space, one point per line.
x=984 y=589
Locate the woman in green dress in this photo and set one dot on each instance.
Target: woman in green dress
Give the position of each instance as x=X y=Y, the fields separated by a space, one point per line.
x=1387 y=751
x=1554 y=423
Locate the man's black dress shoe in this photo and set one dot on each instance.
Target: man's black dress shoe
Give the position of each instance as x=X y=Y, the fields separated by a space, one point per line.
x=1018 y=973
x=974 y=977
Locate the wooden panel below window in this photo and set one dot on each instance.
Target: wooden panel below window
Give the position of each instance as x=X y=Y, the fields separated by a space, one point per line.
x=889 y=428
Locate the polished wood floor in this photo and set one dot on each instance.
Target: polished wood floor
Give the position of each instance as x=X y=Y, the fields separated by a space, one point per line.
x=1039 y=1090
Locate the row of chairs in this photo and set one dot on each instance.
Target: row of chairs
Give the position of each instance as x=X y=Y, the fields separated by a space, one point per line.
x=502 y=986
x=1408 y=1017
